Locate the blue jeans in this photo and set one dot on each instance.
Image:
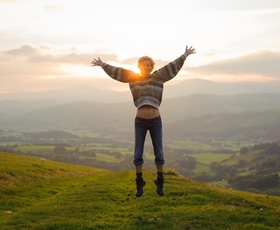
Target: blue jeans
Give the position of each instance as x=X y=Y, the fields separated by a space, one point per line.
x=155 y=128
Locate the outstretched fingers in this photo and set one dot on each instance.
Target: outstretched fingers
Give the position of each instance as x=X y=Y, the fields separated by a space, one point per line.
x=96 y=62
x=190 y=50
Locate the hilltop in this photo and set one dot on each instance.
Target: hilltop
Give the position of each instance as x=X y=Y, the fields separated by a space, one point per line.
x=41 y=194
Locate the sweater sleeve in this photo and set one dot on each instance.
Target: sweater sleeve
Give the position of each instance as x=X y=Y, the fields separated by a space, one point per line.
x=171 y=70
x=119 y=74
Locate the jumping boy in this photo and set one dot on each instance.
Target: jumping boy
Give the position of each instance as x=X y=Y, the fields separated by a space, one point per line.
x=147 y=89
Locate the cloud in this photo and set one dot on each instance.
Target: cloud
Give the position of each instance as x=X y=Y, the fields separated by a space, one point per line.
x=70 y=58
x=264 y=63
x=130 y=61
x=17 y=65
x=25 y=50
x=45 y=55
x=29 y=64
x=30 y=68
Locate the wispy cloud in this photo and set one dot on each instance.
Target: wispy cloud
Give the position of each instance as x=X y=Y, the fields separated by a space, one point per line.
x=45 y=55
x=41 y=61
x=265 y=63
x=25 y=50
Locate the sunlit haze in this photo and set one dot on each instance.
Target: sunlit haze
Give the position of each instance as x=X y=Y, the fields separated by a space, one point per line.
x=50 y=44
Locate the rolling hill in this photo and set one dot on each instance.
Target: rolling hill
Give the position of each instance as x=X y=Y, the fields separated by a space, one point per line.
x=40 y=194
x=233 y=116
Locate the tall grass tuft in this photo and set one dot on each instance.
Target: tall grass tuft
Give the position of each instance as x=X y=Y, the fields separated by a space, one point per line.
x=171 y=171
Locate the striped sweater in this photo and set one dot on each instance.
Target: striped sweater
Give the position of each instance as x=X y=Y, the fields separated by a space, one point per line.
x=149 y=90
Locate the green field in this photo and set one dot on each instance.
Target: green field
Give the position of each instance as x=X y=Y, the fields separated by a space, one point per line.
x=46 y=195
x=196 y=146
x=104 y=157
x=207 y=158
x=39 y=148
x=7 y=133
x=202 y=168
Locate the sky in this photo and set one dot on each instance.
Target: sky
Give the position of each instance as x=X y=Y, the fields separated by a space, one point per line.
x=50 y=44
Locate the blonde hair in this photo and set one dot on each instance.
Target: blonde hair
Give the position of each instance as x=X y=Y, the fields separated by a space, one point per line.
x=144 y=58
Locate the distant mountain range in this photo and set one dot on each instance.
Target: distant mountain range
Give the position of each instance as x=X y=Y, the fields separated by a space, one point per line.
x=237 y=116
x=184 y=88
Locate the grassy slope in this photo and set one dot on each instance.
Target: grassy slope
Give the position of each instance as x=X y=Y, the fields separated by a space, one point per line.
x=42 y=195
x=250 y=157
